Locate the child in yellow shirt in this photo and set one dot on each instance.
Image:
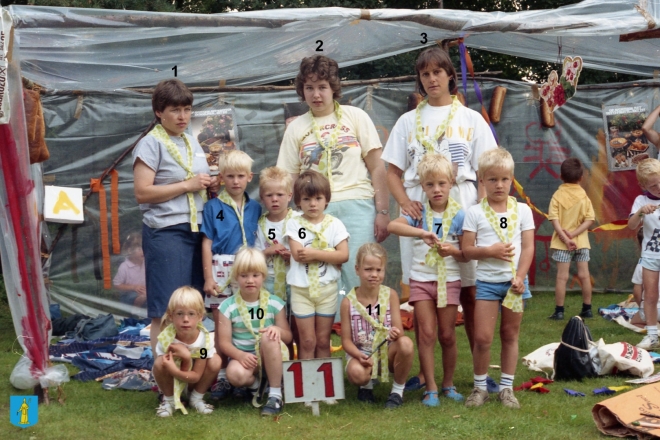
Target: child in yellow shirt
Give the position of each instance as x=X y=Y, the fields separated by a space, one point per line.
x=571 y=214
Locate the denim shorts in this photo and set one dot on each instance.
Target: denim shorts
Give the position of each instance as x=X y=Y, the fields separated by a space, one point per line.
x=651 y=264
x=497 y=291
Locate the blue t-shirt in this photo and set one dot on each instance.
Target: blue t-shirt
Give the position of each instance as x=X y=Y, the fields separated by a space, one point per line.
x=221 y=225
x=419 y=270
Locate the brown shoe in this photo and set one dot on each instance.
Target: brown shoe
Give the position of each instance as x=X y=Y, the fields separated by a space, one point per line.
x=477 y=398
x=508 y=399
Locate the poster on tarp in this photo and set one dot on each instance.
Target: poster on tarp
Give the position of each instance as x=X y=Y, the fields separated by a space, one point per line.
x=5 y=32
x=216 y=131
x=626 y=143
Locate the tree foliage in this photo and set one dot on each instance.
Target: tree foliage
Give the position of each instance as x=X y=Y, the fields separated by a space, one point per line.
x=511 y=67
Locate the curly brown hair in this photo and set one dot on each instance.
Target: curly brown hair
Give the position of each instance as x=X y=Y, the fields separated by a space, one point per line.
x=321 y=67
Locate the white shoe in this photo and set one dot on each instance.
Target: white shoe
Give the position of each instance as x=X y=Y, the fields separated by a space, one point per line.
x=649 y=343
x=330 y=401
x=165 y=409
x=202 y=407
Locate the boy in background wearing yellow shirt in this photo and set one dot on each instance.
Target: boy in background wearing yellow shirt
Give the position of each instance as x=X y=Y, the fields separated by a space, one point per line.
x=571 y=214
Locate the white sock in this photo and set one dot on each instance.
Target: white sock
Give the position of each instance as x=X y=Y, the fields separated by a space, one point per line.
x=652 y=330
x=169 y=399
x=368 y=386
x=506 y=381
x=222 y=374
x=398 y=388
x=480 y=381
x=255 y=384
x=195 y=396
x=275 y=392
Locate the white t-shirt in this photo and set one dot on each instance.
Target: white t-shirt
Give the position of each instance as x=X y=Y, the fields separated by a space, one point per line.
x=494 y=270
x=200 y=342
x=651 y=225
x=300 y=151
x=420 y=271
x=335 y=233
x=468 y=136
x=261 y=243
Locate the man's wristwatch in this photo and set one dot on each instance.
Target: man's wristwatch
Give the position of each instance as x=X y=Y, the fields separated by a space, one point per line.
x=384 y=212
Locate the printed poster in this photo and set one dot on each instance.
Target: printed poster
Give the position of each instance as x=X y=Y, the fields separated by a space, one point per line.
x=625 y=142
x=216 y=131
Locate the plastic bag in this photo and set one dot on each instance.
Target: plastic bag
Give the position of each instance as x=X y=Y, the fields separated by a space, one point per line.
x=22 y=379
x=622 y=356
x=574 y=358
x=542 y=359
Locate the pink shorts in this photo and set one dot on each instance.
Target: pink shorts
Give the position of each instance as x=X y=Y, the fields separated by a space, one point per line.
x=428 y=290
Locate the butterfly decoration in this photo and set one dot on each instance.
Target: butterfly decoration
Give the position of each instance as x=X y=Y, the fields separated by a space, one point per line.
x=557 y=90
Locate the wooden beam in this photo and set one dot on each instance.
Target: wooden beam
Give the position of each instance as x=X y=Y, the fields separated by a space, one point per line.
x=643 y=35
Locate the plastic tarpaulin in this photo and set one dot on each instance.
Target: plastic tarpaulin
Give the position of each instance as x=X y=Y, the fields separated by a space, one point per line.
x=91 y=49
x=82 y=148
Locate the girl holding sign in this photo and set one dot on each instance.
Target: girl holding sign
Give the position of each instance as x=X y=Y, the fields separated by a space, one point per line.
x=253 y=330
x=185 y=354
x=371 y=313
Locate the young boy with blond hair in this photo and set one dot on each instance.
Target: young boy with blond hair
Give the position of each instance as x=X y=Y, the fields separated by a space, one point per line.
x=499 y=233
x=571 y=214
x=644 y=213
x=230 y=222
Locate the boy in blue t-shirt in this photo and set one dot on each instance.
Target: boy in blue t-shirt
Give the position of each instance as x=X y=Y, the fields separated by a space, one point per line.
x=230 y=222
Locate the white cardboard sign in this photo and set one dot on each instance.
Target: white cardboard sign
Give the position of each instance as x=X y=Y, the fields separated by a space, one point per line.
x=312 y=380
x=63 y=205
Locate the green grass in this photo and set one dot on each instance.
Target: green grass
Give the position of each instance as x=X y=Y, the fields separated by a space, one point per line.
x=92 y=413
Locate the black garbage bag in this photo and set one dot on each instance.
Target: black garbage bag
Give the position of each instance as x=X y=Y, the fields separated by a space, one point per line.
x=573 y=360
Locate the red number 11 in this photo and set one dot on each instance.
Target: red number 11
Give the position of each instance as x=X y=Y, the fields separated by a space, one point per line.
x=325 y=368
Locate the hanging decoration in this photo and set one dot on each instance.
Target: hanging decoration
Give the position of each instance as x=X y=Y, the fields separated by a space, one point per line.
x=557 y=90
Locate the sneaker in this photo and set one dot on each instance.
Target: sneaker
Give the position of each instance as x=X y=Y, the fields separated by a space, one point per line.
x=393 y=401
x=477 y=398
x=365 y=395
x=201 y=406
x=557 y=316
x=586 y=314
x=491 y=385
x=272 y=407
x=649 y=343
x=221 y=389
x=243 y=393
x=508 y=399
x=414 y=384
x=165 y=409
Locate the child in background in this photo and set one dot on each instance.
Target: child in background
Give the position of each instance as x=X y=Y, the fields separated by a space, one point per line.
x=436 y=253
x=571 y=214
x=253 y=329
x=319 y=243
x=130 y=278
x=371 y=312
x=499 y=233
x=644 y=212
x=230 y=222
x=185 y=354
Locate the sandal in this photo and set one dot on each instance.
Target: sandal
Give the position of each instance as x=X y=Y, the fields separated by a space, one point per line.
x=432 y=400
x=452 y=394
x=413 y=384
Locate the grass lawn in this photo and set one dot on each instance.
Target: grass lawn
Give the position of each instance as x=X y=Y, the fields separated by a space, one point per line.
x=93 y=413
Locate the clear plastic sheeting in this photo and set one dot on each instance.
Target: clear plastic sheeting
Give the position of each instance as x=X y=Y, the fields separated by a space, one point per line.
x=93 y=49
x=109 y=123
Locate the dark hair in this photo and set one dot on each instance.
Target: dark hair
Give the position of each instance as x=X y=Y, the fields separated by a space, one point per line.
x=439 y=57
x=309 y=184
x=323 y=68
x=413 y=100
x=571 y=170
x=170 y=92
x=640 y=236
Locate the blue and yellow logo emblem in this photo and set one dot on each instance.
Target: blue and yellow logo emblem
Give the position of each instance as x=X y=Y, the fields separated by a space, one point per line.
x=23 y=411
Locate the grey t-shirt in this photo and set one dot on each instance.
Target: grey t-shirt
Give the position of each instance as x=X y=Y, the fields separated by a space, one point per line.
x=155 y=155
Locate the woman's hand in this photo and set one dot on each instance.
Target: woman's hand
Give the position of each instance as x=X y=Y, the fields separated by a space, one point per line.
x=412 y=209
x=380 y=227
x=200 y=182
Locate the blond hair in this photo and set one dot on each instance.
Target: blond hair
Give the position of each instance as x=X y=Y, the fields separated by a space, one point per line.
x=433 y=165
x=370 y=249
x=248 y=260
x=495 y=158
x=235 y=160
x=275 y=175
x=646 y=169
x=185 y=297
